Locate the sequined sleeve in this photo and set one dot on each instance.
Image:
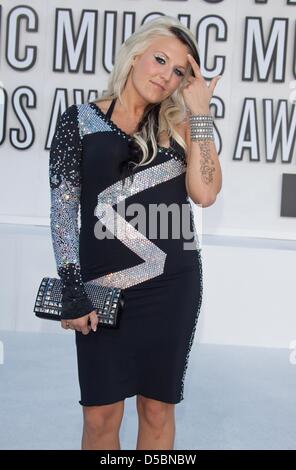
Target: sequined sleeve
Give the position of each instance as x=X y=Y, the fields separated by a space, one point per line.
x=65 y=186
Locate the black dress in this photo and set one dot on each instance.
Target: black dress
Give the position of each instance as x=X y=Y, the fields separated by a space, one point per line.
x=162 y=280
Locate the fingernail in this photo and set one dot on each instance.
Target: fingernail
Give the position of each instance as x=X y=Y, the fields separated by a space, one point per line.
x=95 y=329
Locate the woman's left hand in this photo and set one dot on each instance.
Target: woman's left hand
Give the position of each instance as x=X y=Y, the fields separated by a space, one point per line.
x=197 y=94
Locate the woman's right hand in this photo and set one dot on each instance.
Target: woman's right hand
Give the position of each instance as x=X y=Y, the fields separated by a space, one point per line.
x=82 y=323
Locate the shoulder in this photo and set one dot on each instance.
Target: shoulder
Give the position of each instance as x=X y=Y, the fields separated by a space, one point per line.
x=74 y=116
x=74 y=111
x=70 y=111
x=103 y=104
x=69 y=117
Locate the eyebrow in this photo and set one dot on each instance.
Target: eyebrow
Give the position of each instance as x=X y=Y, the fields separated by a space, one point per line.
x=181 y=66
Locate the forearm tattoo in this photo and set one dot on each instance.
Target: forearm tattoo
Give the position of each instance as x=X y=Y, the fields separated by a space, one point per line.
x=207 y=166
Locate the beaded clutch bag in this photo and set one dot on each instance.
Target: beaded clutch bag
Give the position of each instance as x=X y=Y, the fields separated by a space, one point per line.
x=108 y=301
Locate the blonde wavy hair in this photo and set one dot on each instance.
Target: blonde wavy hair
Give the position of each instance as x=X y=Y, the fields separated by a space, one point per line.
x=171 y=111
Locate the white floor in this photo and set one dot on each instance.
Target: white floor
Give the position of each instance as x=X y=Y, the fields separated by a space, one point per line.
x=235 y=397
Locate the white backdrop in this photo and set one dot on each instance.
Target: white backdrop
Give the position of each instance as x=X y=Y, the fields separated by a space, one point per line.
x=55 y=53
x=252 y=44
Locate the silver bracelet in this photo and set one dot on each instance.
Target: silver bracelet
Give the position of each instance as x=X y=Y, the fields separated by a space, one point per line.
x=201 y=127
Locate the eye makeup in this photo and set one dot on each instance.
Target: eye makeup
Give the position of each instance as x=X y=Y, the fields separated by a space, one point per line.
x=159 y=59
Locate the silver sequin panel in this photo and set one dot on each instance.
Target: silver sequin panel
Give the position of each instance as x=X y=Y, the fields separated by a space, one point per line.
x=89 y=121
x=64 y=226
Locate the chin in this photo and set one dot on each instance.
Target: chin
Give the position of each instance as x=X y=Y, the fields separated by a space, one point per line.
x=152 y=100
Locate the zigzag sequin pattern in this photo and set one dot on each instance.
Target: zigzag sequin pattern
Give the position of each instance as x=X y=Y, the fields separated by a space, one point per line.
x=91 y=119
x=153 y=256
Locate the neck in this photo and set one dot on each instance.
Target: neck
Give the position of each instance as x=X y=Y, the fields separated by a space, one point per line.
x=133 y=105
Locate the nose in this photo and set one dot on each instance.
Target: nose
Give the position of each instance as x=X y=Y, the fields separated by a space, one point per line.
x=166 y=73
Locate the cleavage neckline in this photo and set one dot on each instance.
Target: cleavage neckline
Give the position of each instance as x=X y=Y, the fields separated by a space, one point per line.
x=121 y=132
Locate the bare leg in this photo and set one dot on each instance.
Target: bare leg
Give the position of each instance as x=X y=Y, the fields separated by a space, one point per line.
x=101 y=426
x=156 y=424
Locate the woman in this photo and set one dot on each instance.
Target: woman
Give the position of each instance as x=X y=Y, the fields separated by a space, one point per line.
x=153 y=124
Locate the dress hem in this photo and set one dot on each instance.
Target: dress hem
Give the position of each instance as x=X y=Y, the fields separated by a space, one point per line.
x=173 y=402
